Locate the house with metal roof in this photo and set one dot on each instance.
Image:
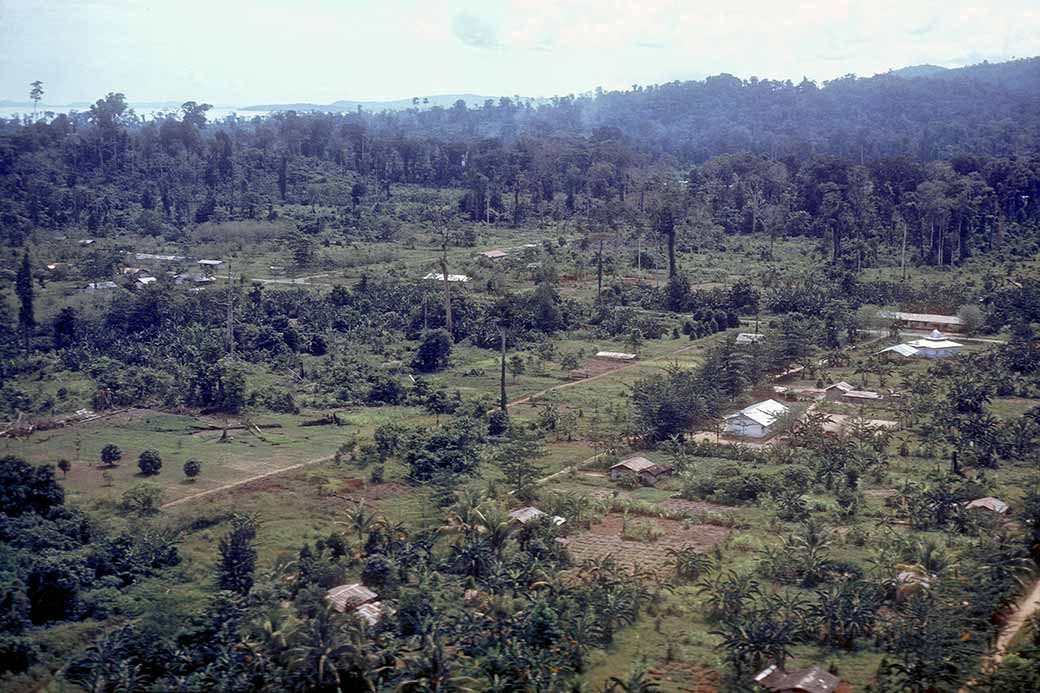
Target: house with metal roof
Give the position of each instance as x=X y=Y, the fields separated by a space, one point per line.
x=904 y=350
x=350 y=597
x=861 y=396
x=989 y=503
x=922 y=321
x=757 y=420
x=748 y=338
x=835 y=391
x=648 y=472
x=615 y=355
x=934 y=346
x=100 y=286
x=493 y=254
x=532 y=514
x=811 y=680
x=452 y=278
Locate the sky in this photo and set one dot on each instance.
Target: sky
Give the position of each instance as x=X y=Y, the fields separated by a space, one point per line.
x=238 y=52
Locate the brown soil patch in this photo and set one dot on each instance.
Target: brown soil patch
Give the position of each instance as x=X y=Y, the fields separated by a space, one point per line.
x=355 y=490
x=685 y=677
x=594 y=366
x=604 y=539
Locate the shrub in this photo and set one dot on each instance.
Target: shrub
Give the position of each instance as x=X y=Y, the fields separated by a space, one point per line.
x=498 y=422
x=111 y=454
x=192 y=468
x=142 y=499
x=149 y=462
x=641 y=530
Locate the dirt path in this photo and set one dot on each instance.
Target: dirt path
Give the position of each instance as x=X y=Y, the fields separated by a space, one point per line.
x=243 y=482
x=1029 y=605
x=570 y=468
x=572 y=383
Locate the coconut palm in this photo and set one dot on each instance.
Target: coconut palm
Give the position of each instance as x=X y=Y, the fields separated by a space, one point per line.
x=320 y=651
x=431 y=668
x=637 y=682
x=689 y=562
x=753 y=640
x=360 y=519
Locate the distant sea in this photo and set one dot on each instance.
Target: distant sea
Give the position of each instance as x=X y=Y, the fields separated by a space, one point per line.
x=215 y=113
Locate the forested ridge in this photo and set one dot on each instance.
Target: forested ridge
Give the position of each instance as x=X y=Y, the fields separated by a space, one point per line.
x=954 y=158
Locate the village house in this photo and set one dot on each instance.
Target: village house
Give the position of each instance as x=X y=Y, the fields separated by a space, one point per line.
x=923 y=321
x=146 y=280
x=452 y=278
x=811 y=680
x=493 y=254
x=615 y=355
x=861 y=396
x=757 y=420
x=189 y=278
x=350 y=597
x=836 y=391
x=748 y=338
x=142 y=257
x=934 y=346
x=989 y=503
x=99 y=286
x=648 y=472
x=531 y=514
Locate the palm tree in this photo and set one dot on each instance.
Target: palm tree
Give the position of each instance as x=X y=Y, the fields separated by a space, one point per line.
x=689 y=562
x=755 y=639
x=432 y=669
x=319 y=653
x=637 y=682
x=360 y=519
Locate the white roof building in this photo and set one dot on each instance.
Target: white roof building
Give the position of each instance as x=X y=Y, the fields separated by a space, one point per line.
x=900 y=350
x=98 y=286
x=749 y=337
x=160 y=258
x=934 y=346
x=493 y=254
x=530 y=514
x=211 y=263
x=756 y=420
x=437 y=276
x=146 y=280
x=616 y=355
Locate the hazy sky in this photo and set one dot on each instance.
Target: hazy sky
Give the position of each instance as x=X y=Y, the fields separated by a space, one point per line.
x=236 y=52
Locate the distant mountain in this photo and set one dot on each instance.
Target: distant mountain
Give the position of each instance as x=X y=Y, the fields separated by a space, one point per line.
x=342 y=106
x=918 y=71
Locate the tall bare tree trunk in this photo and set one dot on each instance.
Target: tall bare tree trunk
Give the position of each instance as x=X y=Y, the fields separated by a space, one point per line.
x=447 y=295
x=503 y=402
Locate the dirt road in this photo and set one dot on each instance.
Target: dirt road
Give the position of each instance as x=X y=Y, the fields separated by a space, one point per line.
x=243 y=482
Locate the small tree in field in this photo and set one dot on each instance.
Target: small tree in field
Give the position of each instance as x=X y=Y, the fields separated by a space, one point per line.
x=110 y=455
x=192 y=468
x=149 y=462
x=64 y=465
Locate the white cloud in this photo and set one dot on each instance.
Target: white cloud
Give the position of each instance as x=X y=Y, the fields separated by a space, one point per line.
x=238 y=52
